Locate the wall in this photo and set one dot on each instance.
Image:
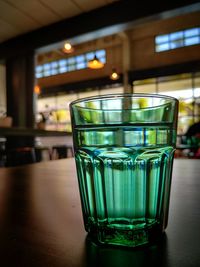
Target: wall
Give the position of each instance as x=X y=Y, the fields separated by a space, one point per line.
x=113 y=58
x=143 y=53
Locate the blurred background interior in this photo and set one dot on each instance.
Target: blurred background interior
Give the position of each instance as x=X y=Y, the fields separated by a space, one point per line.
x=53 y=52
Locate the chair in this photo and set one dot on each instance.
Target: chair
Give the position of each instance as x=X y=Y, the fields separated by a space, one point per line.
x=20 y=156
x=62 y=151
x=192 y=144
x=2 y=152
x=42 y=153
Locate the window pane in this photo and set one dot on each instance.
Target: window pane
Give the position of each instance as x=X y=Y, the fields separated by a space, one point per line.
x=102 y=59
x=116 y=90
x=80 y=58
x=191 y=32
x=62 y=62
x=63 y=69
x=71 y=67
x=192 y=41
x=145 y=88
x=176 y=44
x=175 y=85
x=81 y=65
x=71 y=60
x=87 y=94
x=54 y=71
x=39 y=75
x=90 y=55
x=197 y=92
x=162 y=39
x=54 y=64
x=47 y=66
x=176 y=35
x=162 y=47
x=39 y=68
x=101 y=53
x=47 y=73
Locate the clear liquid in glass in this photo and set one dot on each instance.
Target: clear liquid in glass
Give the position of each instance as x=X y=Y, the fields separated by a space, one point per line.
x=124 y=174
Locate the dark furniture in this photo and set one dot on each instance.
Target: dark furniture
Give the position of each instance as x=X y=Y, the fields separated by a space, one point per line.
x=2 y=152
x=42 y=153
x=20 y=156
x=18 y=145
x=41 y=221
x=188 y=146
x=62 y=151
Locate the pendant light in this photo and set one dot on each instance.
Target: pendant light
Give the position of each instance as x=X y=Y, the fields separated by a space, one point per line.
x=95 y=63
x=114 y=75
x=68 y=48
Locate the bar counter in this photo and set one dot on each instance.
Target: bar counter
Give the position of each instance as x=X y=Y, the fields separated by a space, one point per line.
x=41 y=221
x=16 y=131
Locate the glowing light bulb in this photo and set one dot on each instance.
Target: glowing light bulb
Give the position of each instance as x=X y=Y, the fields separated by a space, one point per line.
x=114 y=75
x=68 y=48
x=37 y=89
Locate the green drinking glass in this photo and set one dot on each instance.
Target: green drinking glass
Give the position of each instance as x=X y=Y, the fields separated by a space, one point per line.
x=124 y=147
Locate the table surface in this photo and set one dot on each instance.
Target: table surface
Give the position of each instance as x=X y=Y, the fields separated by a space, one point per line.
x=41 y=221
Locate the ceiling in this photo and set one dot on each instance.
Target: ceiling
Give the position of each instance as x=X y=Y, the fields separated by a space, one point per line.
x=21 y=16
x=40 y=26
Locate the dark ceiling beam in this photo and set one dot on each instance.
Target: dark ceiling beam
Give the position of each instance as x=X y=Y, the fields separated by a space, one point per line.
x=118 y=12
x=185 y=67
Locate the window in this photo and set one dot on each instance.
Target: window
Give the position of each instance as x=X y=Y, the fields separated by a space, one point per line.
x=39 y=71
x=70 y=64
x=90 y=56
x=177 y=39
x=185 y=87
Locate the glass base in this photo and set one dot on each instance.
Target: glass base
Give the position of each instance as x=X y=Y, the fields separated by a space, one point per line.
x=124 y=237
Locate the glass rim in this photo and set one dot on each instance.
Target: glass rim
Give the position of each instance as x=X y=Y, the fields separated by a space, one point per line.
x=121 y=95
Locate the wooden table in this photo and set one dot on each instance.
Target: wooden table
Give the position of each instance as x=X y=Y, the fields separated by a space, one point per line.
x=41 y=222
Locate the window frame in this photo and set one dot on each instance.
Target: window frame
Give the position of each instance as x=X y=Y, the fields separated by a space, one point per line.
x=178 y=39
x=65 y=65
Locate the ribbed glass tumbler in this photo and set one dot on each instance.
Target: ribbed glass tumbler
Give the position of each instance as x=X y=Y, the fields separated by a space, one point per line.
x=124 y=146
